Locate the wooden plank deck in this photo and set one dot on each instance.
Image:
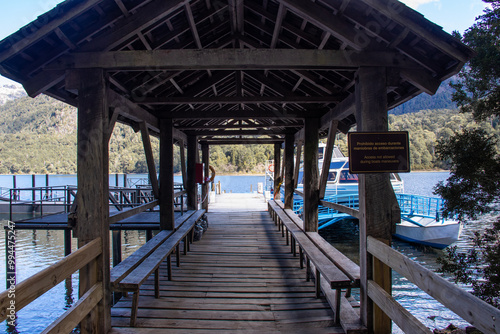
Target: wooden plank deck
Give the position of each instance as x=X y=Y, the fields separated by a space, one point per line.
x=240 y=278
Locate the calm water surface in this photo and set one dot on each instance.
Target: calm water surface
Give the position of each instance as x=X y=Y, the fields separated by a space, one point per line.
x=37 y=250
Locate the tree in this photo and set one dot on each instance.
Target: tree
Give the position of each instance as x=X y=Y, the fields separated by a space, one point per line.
x=473 y=187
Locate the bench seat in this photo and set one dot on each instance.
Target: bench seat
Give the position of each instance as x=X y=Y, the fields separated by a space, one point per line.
x=332 y=269
x=129 y=275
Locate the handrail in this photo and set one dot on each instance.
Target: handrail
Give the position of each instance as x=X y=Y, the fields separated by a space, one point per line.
x=342 y=208
x=129 y=213
x=72 y=317
x=180 y=193
x=472 y=309
x=36 y=285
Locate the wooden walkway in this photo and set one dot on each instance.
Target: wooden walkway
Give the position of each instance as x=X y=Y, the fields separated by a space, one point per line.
x=240 y=278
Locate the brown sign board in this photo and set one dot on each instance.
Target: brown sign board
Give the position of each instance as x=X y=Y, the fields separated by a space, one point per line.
x=379 y=152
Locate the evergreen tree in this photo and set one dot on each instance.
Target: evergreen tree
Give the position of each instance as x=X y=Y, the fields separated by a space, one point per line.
x=474 y=185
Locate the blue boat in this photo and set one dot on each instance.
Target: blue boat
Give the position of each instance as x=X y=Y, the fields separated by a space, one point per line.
x=422 y=221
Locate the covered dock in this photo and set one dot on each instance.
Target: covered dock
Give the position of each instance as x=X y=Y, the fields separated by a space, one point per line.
x=201 y=73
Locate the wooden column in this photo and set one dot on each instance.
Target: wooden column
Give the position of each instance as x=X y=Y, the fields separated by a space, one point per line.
x=182 y=151
x=148 y=151
x=327 y=158
x=192 y=160
x=93 y=191
x=166 y=175
x=289 y=150
x=311 y=185
x=297 y=165
x=277 y=169
x=376 y=196
x=205 y=158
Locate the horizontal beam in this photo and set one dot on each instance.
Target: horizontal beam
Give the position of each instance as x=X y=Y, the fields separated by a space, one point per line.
x=242 y=114
x=130 y=110
x=231 y=59
x=235 y=100
x=236 y=132
x=241 y=126
x=238 y=141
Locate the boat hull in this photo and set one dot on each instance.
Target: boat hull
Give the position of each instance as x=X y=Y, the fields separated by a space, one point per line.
x=438 y=235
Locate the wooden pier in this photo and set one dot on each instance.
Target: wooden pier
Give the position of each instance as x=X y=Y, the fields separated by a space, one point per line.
x=202 y=73
x=240 y=277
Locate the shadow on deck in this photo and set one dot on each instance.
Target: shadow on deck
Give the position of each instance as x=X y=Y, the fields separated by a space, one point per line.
x=240 y=278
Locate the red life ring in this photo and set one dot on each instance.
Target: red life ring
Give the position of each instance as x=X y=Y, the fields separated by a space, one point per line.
x=271 y=168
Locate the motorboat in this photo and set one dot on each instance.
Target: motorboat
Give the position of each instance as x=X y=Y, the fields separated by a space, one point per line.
x=422 y=220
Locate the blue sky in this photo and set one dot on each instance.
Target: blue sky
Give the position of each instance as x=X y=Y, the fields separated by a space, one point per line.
x=450 y=14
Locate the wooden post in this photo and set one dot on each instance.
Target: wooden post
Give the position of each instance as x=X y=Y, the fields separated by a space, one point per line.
x=67 y=242
x=297 y=165
x=148 y=150
x=183 y=164
x=166 y=175
x=376 y=196
x=327 y=158
x=311 y=185
x=116 y=236
x=191 y=186
x=205 y=157
x=93 y=192
x=288 y=175
x=277 y=169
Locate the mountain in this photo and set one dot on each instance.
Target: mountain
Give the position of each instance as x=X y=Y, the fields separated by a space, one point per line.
x=440 y=100
x=10 y=92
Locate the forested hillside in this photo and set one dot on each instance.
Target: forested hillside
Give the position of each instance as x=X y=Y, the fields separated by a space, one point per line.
x=39 y=136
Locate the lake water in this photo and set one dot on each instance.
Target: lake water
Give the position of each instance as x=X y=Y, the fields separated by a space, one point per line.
x=36 y=250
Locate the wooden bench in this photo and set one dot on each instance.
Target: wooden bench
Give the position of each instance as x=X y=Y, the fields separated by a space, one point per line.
x=331 y=268
x=129 y=275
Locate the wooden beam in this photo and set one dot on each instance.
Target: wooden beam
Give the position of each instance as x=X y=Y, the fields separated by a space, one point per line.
x=237 y=99
x=192 y=160
x=311 y=185
x=376 y=196
x=231 y=59
x=288 y=175
x=182 y=150
x=148 y=151
x=230 y=127
x=278 y=180
x=244 y=141
x=130 y=110
x=93 y=192
x=297 y=165
x=401 y=14
x=125 y=30
x=228 y=113
x=205 y=158
x=327 y=158
x=166 y=175
x=235 y=132
x=46 y=29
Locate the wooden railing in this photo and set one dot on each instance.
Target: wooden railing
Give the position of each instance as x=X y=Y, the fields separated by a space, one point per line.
x=472 y=309
x=477 y=312
x=35 y=286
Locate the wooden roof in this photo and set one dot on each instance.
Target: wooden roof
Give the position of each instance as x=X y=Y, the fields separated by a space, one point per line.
x=222 y=68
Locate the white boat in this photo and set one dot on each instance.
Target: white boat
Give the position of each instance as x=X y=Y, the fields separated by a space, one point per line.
x=428 y=231
x=420 y=222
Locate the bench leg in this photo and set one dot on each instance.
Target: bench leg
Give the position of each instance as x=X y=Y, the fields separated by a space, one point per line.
x=301 y=258
x=294 y=248
x=287 y=238
x=317 y=282
x=157 y=283
x=169 y=266
x=337 y=305
x=185 y=246
x=178 y=255
x=308 y=270
x=279 y=224
x=135 y=307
